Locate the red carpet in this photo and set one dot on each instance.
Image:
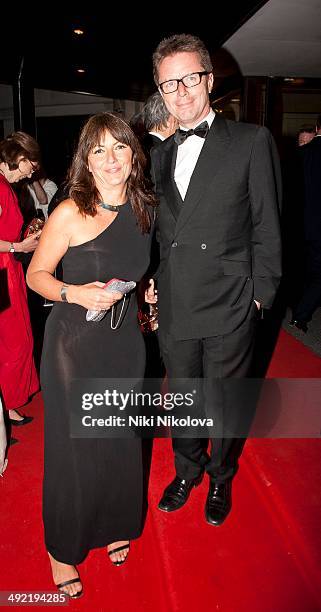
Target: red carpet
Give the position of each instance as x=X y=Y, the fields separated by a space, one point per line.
x=265 y=558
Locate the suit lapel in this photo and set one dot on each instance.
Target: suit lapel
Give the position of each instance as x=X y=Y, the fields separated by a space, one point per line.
x=212 y=157
x=171 y=192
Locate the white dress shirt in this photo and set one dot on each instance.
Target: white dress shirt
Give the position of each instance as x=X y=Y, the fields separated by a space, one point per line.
x=157 y=134
x=187 y=156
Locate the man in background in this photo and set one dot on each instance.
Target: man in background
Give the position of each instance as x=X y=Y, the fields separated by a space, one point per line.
x=311 y=165
x=158 y=122
x=305 y=135
x=152 y=126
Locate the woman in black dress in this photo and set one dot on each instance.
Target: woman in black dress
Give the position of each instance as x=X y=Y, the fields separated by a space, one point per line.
x=92 y=487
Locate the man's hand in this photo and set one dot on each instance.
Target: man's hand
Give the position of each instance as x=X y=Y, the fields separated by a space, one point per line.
x=151 y=293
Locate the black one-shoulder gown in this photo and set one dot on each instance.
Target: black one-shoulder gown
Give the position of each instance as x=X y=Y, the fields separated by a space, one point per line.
x=92 y=493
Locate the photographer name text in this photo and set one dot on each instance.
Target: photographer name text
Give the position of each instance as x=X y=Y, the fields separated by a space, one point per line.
x=168 y=420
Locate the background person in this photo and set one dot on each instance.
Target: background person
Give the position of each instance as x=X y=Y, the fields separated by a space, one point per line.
x=311 y=296
x=19 y=158
x=159 y=124
x=42 y=189
x=305 y=135
x=92 y=487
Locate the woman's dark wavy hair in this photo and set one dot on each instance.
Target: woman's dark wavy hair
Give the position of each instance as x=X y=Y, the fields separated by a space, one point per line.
x=81 y=185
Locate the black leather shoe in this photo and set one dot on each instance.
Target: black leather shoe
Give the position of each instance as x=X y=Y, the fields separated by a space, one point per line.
x=177 y=493
x=301 y=325
x=24 y=421
x=218 y=502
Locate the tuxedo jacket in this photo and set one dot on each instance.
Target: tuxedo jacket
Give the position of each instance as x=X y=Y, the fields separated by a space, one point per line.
x=219 y=248
x=149 y=141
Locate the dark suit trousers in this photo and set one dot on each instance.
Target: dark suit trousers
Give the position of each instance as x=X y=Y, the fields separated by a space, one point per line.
x=215 y=359
x=311 y=298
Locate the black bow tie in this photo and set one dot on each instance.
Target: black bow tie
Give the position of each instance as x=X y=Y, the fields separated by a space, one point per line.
x=201 y=130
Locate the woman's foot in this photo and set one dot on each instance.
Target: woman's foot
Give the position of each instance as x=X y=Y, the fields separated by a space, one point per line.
x=14 y=415
x=118 y=551
x=61 y=572
x=18 y=419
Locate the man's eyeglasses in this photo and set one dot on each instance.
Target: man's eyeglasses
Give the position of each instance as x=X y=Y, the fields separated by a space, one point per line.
x=190 y=80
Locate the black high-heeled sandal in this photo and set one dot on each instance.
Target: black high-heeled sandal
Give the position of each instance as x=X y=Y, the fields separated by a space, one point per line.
x=72 y=581
x=118 y=549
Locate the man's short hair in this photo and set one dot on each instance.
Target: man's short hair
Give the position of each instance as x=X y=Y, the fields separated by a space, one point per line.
x=309 y=129
x=180 y=43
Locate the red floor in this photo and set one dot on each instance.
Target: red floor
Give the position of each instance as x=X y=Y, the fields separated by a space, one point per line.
x=265 y=558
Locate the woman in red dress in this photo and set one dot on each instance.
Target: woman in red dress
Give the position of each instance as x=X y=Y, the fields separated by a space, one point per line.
x=19 y=158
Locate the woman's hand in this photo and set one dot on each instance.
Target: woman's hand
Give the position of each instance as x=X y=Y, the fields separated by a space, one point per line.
x=151 y=293
x=92 y=296
x=30 y=243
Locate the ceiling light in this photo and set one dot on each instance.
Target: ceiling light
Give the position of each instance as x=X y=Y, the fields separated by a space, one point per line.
x=78 y=31
x=84 y=93
x=294 y=80
x=81 y=70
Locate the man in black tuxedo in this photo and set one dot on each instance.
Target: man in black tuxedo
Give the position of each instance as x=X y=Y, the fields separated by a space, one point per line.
x=218 y=222
x=311 y=164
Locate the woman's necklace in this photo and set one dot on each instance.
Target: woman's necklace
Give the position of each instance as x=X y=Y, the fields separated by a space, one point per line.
x=110 y=206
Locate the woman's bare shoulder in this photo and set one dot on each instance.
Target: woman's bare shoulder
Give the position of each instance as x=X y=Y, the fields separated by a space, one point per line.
x=67 y=210
x=67 y=206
